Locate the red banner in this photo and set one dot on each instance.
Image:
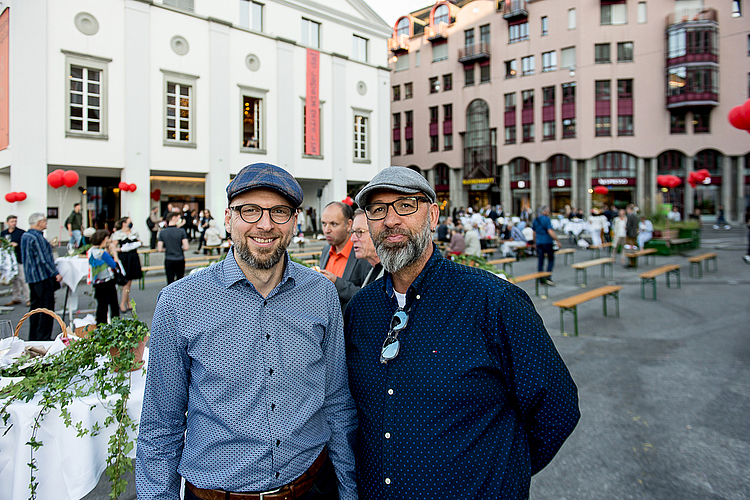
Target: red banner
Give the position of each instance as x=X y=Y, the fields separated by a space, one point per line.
x=312 y=104
x=4 y=44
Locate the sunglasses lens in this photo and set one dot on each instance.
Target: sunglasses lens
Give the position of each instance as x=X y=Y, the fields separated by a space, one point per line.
x=390 y=350
x=399 y=320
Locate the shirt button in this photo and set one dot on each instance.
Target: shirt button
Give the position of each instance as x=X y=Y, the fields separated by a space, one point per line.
x=388 y=480
x=419 y=297
x=390 y=392
x=278 y=442
x=388 y=435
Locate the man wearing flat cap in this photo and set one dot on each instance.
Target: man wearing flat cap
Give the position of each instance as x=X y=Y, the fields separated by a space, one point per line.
x=247 y=393
x=460 y=391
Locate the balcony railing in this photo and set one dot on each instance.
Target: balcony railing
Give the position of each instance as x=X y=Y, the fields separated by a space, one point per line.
x=513 y=9
x=474 y=52
x=479 y=162
x=398 y=43
x=436 y=33
x=692 y=15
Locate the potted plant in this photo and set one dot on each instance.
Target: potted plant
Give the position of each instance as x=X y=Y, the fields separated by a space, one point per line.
x=76 y=372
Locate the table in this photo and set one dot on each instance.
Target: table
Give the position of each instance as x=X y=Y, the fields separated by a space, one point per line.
x=72 y=270
x=69 y=466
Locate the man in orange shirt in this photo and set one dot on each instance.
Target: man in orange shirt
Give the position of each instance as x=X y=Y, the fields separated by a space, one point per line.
x=337 y=261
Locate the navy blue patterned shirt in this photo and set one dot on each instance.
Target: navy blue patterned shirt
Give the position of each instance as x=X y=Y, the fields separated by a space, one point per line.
x=38 y=261
x=263 y=382
x=476 y=402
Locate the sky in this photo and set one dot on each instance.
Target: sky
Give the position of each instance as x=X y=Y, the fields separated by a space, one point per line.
x=391 y=10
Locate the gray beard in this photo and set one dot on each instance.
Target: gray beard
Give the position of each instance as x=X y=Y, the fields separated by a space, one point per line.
x=260 y=261
x=397 y=257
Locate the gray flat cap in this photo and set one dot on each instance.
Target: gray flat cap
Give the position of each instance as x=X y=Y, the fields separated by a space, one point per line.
x=266 y=175
x=399 y=179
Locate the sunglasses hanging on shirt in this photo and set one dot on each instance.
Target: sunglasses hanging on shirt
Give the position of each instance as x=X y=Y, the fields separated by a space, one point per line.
x=391 y=344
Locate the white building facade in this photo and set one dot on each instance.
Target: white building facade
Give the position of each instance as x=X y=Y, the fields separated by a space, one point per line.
x=528 y=103
x=177 y=96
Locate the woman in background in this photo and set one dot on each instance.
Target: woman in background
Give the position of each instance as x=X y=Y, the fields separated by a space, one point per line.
x=102 y=264
x=127 y=239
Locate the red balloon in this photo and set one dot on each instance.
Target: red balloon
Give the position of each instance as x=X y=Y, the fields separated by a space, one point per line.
x=746 y=113
x=55 y=179
x=123 y=186
x=737 y=118
x=601 y=190
x=661 y=180
x=11 y=198
x=70 y=178
x=20 y=196
x=132 y=188
x=673 y=181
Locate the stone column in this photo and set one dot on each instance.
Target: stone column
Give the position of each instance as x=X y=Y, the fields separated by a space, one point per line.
x=653 y=189
x=544 y=183
x=726 y=187
x=533 y=187
x=506 y=196
x=587 y=167
x=739 y=189
x=640 y=184
x=574 y=183
x=689 y=191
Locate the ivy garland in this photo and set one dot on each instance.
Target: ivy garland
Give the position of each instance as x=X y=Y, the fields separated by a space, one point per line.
x=100 y=364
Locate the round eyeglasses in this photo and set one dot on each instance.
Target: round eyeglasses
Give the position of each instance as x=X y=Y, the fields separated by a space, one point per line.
x=250 y=213
x=402 y=206
x=358 y=233
x=391 y=344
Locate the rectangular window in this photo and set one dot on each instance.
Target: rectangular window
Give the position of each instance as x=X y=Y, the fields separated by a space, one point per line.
x=527 y=115
x=624 y=51
x=434 y=85
x=359 y=48
x=510 y=68
x=447 y=82
x=396 y=92
x=256 y=16
x=484 y=72
x=179 y=100
x=568 y=58
x=614 y=13
x=484 y=34
x=439 y=52
x=736 y=8
x=469 y=75
x=253 y=120
x=86 y=100
x=528 y=132
x=601 y=53
x=603 y=108
x=548 y=114
x=409 y=131
x=518 y=32
x=408 y=92
x=434 y=134
x=402 y=62
x=548 y=131
x=360 y=137
x=545 y=26
x=180 y=4
x=571 y=19
x=701 y=122
x=642 y=13
x=469 y=37
x=396 y=133
x=624 y=125
x=434 y=114
x=310 y=33
x=510 y=118
x=677 y=122
x=549 y=61
x=568 y=112
x=625 y=89
x=527 y=66
x=603 y=126
x=447 y=127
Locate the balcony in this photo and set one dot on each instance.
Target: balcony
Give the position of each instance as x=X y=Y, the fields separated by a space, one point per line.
x=513 y=9
x=398 y=44
x=702 y=15
x=479 y=162
x=476 y=52
x=437 y=33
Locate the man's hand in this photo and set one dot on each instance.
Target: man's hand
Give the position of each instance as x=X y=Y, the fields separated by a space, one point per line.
x=58 y=277
x=329 y=275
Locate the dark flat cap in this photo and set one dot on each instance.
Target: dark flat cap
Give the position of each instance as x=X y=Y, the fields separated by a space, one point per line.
x=265 y=175
x=399 y=179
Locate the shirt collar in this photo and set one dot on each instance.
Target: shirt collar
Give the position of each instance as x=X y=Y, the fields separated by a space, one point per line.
x=422 y=282
x=344 y=252
x=232 y=273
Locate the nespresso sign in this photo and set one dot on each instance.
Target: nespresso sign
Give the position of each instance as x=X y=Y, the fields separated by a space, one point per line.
x=617 y=181
x=468 y=182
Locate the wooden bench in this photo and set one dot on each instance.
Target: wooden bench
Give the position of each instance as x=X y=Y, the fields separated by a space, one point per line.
x=571 y=303
x=679 y=242
x=311 y=254
x=699 y=259
x=534 y=276
x=566 y=252
x=650 y=277
x=146 y=252
x=598 y=248
x=486 y=252
x=190 y=263
x=583 y=266
x=645 y=252
x=505 y=261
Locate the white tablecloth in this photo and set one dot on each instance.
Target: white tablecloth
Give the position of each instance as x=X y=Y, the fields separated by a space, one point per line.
x=72 y=270
x=69 y=467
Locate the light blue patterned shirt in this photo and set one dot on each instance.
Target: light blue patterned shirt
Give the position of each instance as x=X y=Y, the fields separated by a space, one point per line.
x=263 y=381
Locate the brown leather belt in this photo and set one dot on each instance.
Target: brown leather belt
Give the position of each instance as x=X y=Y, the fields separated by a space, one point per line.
x=293 y=490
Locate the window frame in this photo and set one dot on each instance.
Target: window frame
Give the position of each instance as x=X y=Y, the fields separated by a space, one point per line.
x=599 y=53
x=396 y=92
x=434 y=85
x=530 y=68
x=88 y=62
x=186 y=80
x=447 y=82
x=511 y=68
x=408 y=90
x=485 y=74
x=260 y=94
x=356 y=48
x=469 y=70
x=622 y=48
x=549 y=61
x=364 y=114
x=305 y=39
x=545 y=26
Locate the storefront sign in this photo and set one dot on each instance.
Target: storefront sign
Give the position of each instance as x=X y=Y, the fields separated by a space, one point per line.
x=479 y=187
x=312 y=105
x=468 y=182
x=519 y=185
x=617 y=181
x=553 y=183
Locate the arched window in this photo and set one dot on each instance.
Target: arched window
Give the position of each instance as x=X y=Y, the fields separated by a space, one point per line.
x=520 y=169
x=441 y=15
x=671 y=162
x=710 y=159
x=615 y=165
x=442 y=177
x=403 y=27
x=415 y=168
x=559 y=167
x=479 y=157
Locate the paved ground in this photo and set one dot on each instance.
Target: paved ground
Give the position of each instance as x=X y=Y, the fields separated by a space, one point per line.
x=665 y=388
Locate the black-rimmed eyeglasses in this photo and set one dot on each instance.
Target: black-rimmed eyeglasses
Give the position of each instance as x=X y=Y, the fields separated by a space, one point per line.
x=391 y=344
x=402 y=206
x=250 y=213
x=358 y=233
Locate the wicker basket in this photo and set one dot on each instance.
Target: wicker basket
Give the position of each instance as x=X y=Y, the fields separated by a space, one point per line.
x=42 y=310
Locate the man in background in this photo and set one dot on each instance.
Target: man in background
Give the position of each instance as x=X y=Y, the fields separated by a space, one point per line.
x=41 y=275
x=544 y=237
x=153 y=225
x=173 y=241
x=364 y=248
x=74 y=223
x=337 y=261
x=19 y=286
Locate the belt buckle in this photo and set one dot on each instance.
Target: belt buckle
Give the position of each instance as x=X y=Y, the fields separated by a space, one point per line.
x=263 y=494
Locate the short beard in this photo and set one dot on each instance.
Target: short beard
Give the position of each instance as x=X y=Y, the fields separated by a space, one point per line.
x=398 y=256
x=263 y=261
